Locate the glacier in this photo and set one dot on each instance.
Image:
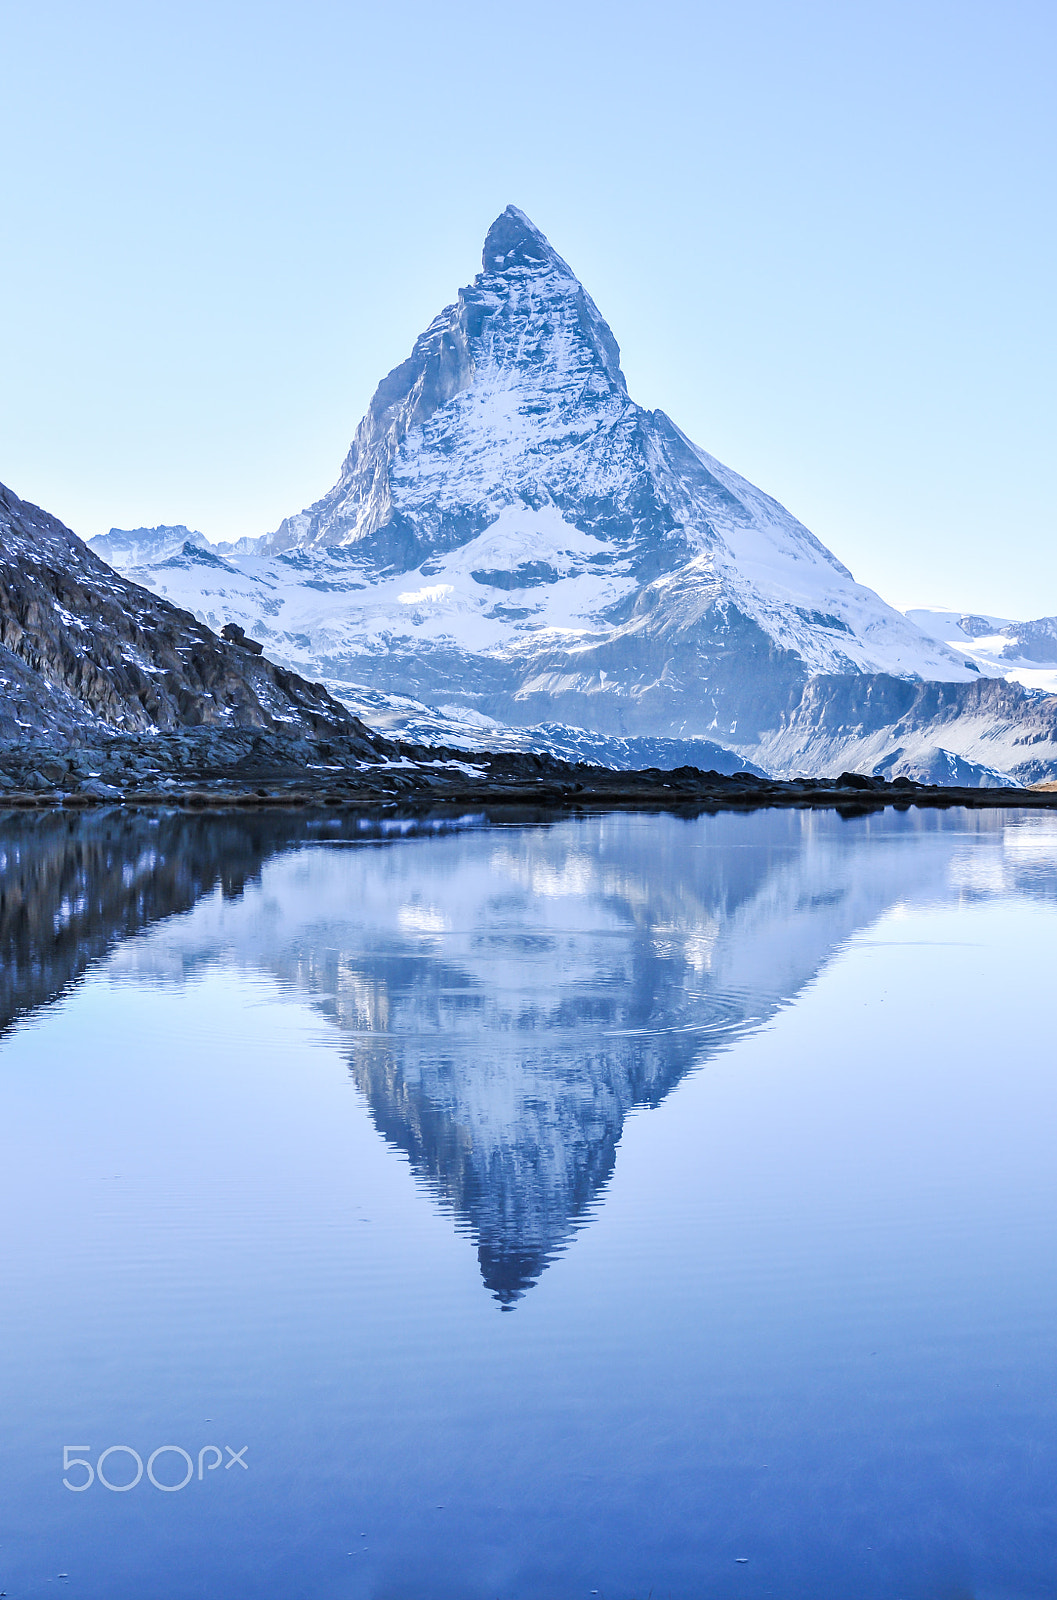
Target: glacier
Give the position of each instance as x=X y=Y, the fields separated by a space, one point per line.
x=1020 y=652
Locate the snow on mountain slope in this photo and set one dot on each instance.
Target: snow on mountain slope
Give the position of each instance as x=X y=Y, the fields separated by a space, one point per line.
x=504 y=488
x=512 y=535
x=511 y=423
x=400 y=717
x=1020 y=652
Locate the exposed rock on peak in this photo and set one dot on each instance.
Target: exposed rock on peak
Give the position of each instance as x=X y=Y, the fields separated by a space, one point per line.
x=500 y=392
x=513 y=240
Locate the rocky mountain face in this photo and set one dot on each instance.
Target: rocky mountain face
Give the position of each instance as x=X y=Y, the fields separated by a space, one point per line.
x=987 y=733
x=85 y=652
x=513 y=536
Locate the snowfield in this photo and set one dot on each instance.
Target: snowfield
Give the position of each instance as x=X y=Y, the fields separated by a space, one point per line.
x=1000 y=651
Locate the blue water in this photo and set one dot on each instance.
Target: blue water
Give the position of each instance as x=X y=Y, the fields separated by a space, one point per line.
x=627 y=1206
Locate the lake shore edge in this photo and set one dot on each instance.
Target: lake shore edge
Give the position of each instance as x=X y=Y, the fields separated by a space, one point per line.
x=234 y=770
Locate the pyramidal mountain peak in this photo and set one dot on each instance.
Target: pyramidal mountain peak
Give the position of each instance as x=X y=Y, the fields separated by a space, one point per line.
x=512 y=537
x=514 y=241
x=494 y=385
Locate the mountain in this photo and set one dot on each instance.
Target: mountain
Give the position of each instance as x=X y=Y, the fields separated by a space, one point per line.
x=512 y=535
x=131 y=547
x=83 y=650
x=1021 y=652
x=399 y=717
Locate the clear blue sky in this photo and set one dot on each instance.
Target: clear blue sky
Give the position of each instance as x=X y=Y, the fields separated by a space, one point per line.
x=823 y=233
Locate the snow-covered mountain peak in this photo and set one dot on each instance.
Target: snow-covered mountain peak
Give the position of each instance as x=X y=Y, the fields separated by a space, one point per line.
x=512 y=414
x=513 y=396
x=134 y=547
x=512 y=535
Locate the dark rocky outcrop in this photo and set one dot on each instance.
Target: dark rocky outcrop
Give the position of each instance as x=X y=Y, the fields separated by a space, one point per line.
x=1031 y=641
x=83 y=652
x=222 y=769
x=236 y=635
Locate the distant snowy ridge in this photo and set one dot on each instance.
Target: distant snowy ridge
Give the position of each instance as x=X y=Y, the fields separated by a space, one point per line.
x=399 y=717
x=512 y=535
x=132 y=547
x=1020 y=652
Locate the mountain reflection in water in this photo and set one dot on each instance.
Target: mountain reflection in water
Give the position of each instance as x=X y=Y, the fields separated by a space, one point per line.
x=508 y=995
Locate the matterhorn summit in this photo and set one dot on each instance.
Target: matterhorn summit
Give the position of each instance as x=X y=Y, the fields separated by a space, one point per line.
x=513 y=539
x=505 y=459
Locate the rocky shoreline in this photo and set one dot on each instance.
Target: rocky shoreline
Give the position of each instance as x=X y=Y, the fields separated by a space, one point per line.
x=209 y=769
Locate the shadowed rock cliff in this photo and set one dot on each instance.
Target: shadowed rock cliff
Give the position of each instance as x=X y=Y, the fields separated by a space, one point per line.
x=83 y=648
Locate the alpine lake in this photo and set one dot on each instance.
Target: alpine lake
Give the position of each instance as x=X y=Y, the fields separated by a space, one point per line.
x=618 y=1206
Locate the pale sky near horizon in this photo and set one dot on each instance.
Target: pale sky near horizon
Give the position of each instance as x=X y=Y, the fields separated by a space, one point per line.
x=823 y=234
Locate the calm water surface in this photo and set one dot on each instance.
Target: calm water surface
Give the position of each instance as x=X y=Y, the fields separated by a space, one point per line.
x=619 y=1207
